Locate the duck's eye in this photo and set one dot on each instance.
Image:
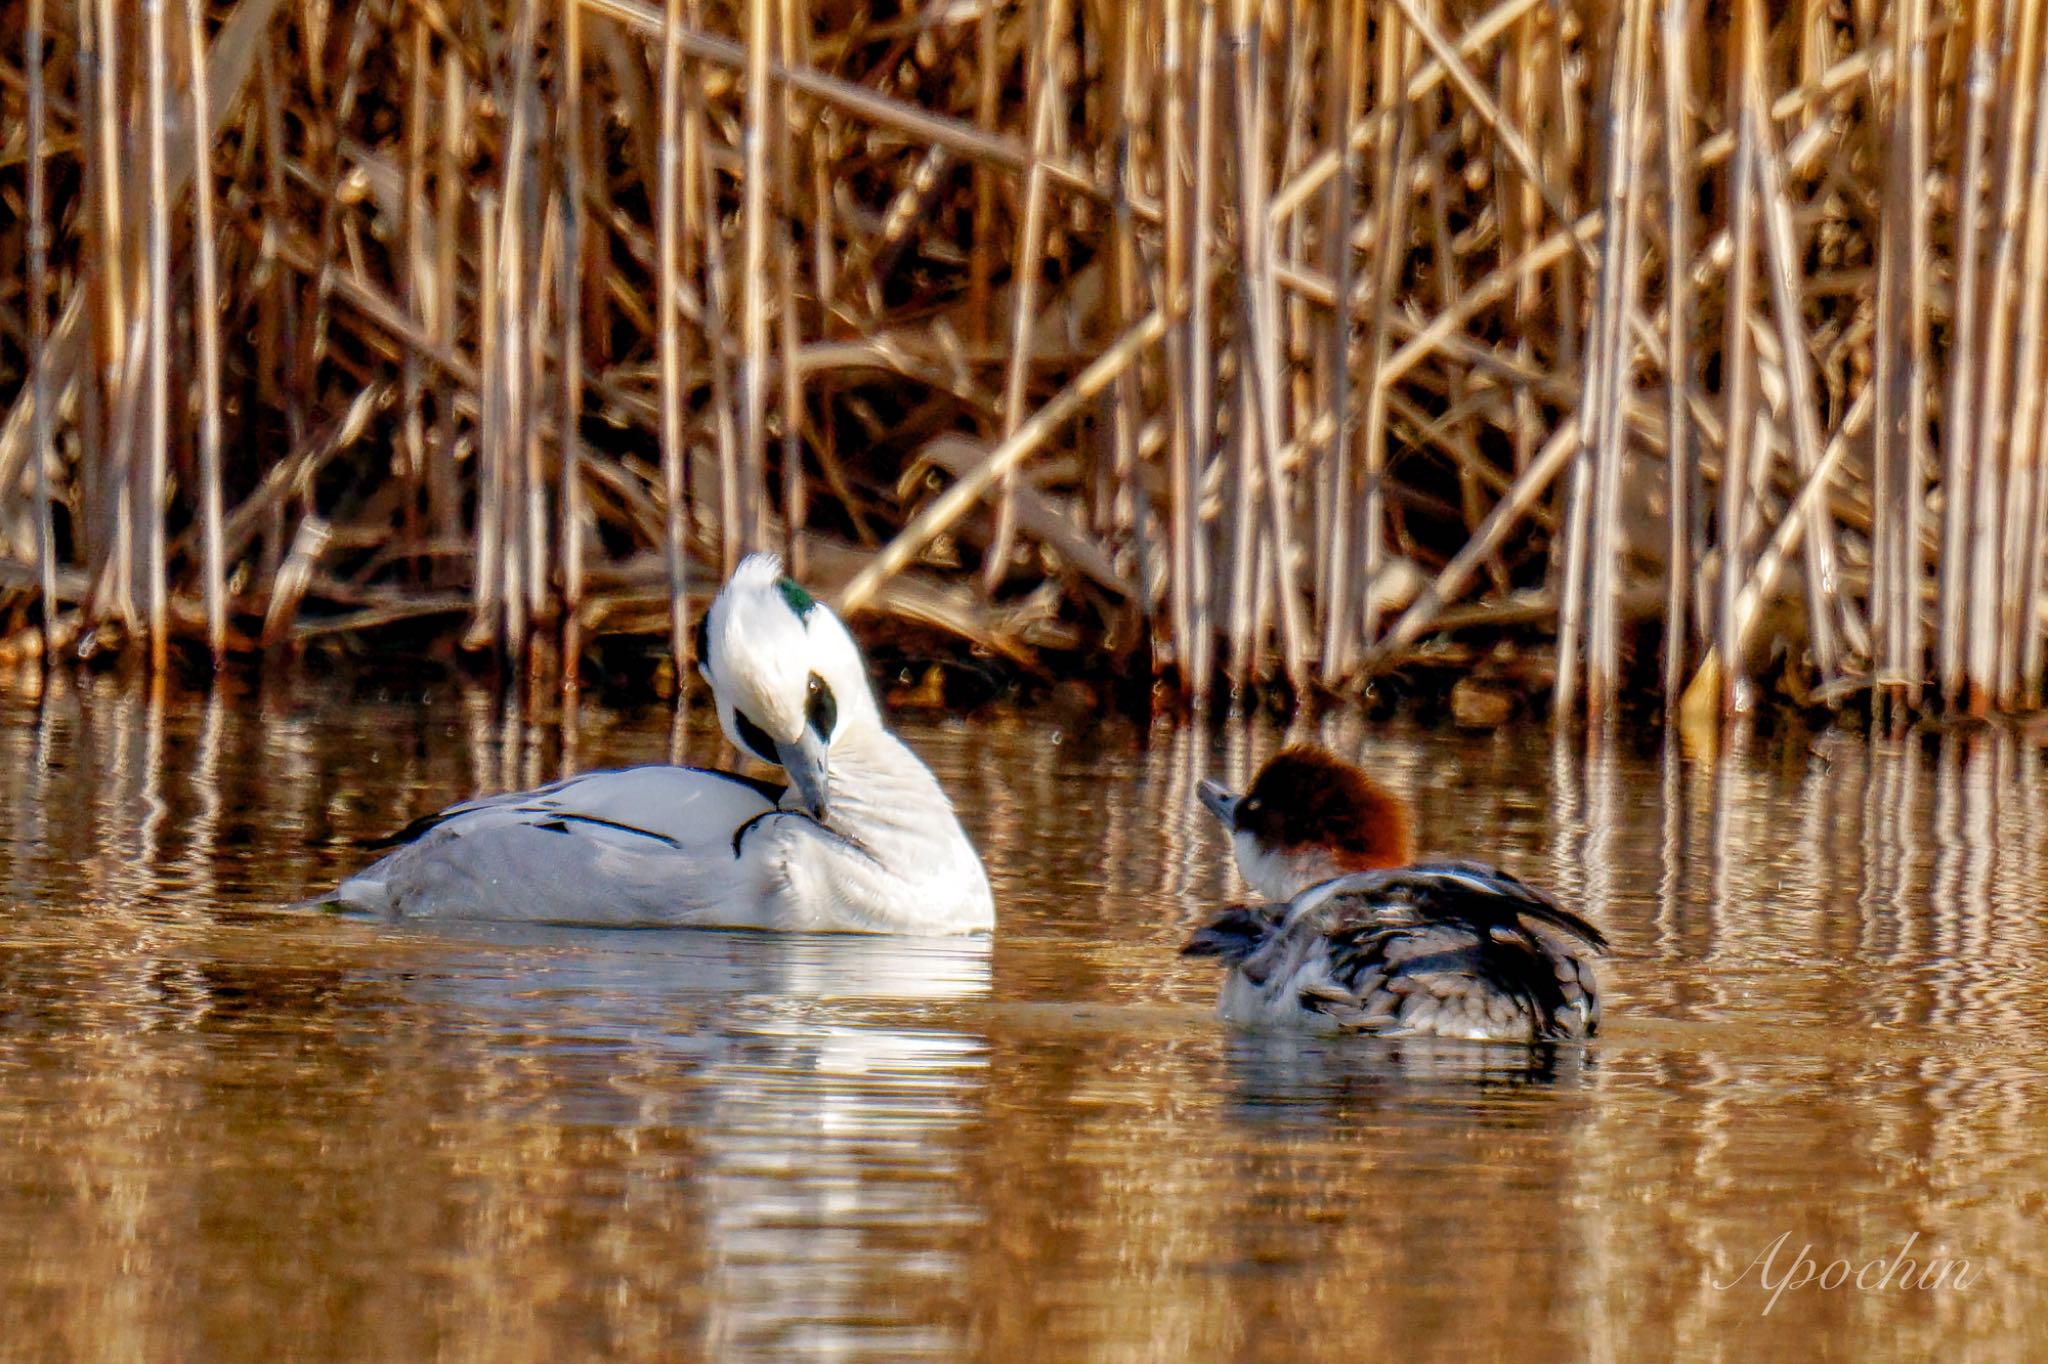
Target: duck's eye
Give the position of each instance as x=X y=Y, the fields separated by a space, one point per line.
x=704 y=640
x=754 y=738
x=820 y=708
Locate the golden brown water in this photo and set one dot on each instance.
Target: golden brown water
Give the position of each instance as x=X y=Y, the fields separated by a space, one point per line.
x=232 y=1131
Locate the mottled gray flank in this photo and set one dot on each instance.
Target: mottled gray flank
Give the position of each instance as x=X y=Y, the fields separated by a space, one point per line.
x=1449 y=949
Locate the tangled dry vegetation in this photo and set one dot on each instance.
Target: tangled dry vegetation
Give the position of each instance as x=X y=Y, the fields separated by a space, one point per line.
x=1217 y=341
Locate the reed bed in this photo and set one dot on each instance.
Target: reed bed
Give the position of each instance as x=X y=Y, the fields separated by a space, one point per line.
x=1685 y=349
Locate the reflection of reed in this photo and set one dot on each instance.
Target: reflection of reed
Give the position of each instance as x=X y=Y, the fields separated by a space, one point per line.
x=1855 y=891
x=1884 y=862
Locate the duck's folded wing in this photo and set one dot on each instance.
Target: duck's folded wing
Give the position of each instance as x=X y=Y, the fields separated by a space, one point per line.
x=647 y=845
x=684 y=806
x=1451 y=951
x=1475 y=895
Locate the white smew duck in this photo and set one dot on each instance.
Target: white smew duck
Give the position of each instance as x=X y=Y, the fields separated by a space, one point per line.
x=863 y=840
x=1360 y=939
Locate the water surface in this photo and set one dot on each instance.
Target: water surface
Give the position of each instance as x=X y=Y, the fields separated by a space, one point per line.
x=230 y=1130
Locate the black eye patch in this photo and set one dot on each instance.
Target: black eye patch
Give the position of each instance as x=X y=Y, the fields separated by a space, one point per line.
x=820 y=707
x=704 y=640
x=754 y=738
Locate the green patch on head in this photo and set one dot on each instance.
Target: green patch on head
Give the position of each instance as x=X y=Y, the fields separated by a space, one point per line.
x=799 y=600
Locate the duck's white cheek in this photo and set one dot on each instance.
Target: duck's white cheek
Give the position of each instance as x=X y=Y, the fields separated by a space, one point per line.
x=1271 y=874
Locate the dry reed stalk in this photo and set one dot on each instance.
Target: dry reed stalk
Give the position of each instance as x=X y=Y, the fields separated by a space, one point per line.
x=1200 y=647
x=1629 y=94
x=987 y=97
x=1920 y=379
x=1046 y=98
x=1290 y=238
x=1390 y=172
x=1241 y=555
x=416 y=282
x=444 y=511
x=1959 y=416
x=2018 y=558
x=1243 y=628
x=1565 y=150
x=795 y=508
x=1183 y=467
x=487 y=587
x=324 y=163
x=116 y=531
x=39 y=322
x=158 y=440
x=206 y=320
x=2021 y=554
x=1992 y=461
x=1457 y=427
x=2027 y=524
x=281 y=302
x=113 y=577
x=1782 y=258
x=1122 y=509
x=1681 y=543
x=1891 y=451
x=668 y=217
x=825 y=273
x=62 y=348
x=570 y=141
x=1585 y=618
x=1261 y=346
x=113 y=242
x=754 y=281
x=1571 y=592
x=1346 y=54
x=1737 y=370
x=703 y=246
x=1521 y=225
x=516 y=241
x=536 y=570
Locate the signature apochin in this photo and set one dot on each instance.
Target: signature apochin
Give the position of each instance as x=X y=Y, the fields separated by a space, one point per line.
x=1777 y=1270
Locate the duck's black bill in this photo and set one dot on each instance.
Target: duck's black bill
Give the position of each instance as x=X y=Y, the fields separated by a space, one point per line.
x=1219 y=800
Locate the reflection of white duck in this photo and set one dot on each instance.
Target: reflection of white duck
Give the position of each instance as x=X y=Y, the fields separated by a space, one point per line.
x=863 y=839
x=831 y=1120
x=1368 y=941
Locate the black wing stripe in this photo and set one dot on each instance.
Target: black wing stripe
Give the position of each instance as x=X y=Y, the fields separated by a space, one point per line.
x=426 y=824
x=412 y=832
x=739 y=835
x=565 y=816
